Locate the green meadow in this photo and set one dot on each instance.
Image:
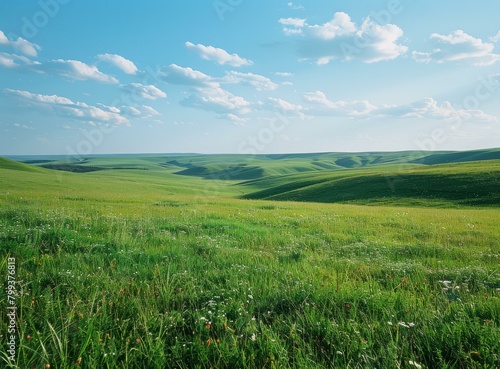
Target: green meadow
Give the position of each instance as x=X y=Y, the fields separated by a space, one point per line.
x=369 y=260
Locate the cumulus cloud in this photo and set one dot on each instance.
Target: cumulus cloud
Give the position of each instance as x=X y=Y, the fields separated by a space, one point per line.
x=74 y=70
x=13 y=61
x=186 y=76
x=3 y=39
x=130 y=111
x=338 y=108
x=120 y=62
x=143 y=111
x=458 y=46
x=64 y=107
x=432 y=109
x=293 y=26
x=285 y=107
x=254 y=80
x=427 y=108
x=220 y=56
x=217 y=100
x=207 y=93
x=20 y=45
x=340 y=38
x=189 y=77
x=145 y=92
x=284 y=74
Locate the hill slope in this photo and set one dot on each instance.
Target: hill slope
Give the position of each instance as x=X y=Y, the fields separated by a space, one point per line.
x=464 y=184
x=15 y=165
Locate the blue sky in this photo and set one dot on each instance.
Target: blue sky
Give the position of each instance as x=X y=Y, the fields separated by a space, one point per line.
x=240 y=76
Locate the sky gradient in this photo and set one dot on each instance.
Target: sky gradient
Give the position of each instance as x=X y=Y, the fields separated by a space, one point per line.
x=249 y=77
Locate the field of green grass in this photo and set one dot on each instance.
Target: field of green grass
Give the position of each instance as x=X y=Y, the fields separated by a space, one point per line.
x=300 y=261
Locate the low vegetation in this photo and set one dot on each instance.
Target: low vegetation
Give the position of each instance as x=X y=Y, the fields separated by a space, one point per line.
x=150 y=269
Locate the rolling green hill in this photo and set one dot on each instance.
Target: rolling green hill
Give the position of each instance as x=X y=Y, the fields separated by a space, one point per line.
x=443 y=179
x=157 y=261
x=15 y=165
x=470 y=184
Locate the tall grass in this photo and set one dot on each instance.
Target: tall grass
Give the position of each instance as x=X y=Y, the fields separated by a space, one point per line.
x=244 y=284
x=127 y=274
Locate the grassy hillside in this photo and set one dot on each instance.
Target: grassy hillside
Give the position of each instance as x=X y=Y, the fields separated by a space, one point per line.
x=127 y=268
x=470 y=184
x=248 y=167
x=459 y=157
x=15 y=165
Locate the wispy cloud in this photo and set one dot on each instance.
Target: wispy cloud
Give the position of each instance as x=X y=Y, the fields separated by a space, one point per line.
x=217 y=100
x=120 y=62
x=64 y=107
x=74 y=70
x=143 y=111
x=233 y=118
x=20 y=45
x=458 y=46
x=23 y=126
x=294 y=6
x=495 y=38
x=220 y=56
x=340 y=38
x=284 y=107
x=427 y=108
x=431 y=109
x=149 y=92
x=257 y=81
x=338 y=108
x=186 y=76
x=14 y=61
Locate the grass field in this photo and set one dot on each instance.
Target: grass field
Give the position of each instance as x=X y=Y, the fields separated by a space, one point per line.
x=300 y=261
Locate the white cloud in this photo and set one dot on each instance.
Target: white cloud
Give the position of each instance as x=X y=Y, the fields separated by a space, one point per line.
x=285 y=107
x=284 y=74
x=143 y=111
x=8 y=60
x=120 y=62
x=458 y=46
x=234 y=118
x=255 y=80
x=145 y=92
x=186 y=76
x=295 y=7
x=217 y=100
x=23 y=126
x=148 y=111
x=220 y=56
x=75 y=70
x=495 y=38
x=20 y=45
x=431 y=109
x=3 y=39
x=207 y=92
x=65 y=107
x=295 y=22
x=427 y=108
x=338 y=108
x=342 y=39
x=130 y=111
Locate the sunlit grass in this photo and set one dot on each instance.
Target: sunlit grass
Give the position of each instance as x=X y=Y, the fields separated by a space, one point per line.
x=141 y=270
